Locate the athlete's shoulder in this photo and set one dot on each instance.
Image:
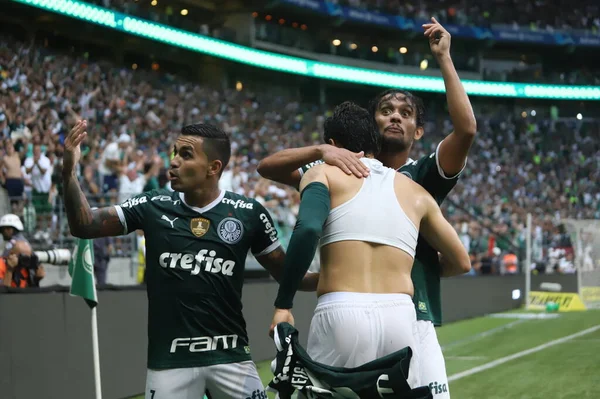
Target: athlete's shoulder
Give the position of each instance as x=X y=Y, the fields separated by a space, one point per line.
x=151 y=198
x=408 y=184
x=413 y=165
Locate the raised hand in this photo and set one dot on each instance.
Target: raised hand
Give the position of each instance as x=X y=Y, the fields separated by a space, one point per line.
x=72 y=153
x=439 y=38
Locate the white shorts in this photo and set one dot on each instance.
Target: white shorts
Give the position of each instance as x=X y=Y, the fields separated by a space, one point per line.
x=227 y=381
x=432 y=364
x=350 y=329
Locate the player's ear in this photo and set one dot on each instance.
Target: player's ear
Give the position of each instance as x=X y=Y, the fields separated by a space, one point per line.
x=419 y=133
x=215 y=167
x=332 y=142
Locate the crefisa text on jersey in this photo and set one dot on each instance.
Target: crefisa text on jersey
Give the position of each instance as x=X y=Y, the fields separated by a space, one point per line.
x=238 y=203
x=194 y=263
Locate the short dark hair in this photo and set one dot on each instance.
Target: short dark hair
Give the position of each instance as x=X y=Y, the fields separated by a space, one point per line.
x=413 y=100
x=216 y=141
x=352 y=127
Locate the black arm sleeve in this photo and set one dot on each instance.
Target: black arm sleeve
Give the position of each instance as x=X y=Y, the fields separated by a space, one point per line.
x=314 y=210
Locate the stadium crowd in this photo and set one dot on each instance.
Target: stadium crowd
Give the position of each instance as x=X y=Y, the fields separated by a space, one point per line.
x=517 y=165
x=541 y=14
x=465 y=56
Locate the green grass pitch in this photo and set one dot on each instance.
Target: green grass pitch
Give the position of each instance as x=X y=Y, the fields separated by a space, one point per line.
x=568 y=370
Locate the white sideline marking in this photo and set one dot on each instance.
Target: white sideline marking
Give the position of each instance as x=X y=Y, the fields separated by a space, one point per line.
x=481 y=335
x=517 y=355
x=525 y=316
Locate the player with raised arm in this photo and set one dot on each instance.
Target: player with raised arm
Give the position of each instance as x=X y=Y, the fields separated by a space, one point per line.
x=400 y=116
x=367 y=231
x=197 y=240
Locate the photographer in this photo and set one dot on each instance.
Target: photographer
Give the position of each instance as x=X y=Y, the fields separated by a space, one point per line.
x=19 y=266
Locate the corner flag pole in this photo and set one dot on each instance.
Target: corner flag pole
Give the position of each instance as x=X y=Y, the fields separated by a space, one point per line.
x=83 y=284
x=96 y=353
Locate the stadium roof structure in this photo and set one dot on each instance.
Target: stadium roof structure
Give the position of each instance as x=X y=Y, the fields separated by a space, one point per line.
x=300 y=66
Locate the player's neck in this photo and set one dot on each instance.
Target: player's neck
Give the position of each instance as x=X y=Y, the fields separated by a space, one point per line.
x=202 y=197
x=394 y=160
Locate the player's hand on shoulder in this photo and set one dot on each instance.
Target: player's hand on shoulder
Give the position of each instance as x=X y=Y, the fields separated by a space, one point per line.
x=347 y=161
x=281 y=316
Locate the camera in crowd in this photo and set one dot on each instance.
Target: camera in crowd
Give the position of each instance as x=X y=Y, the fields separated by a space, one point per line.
x=58 y=257
x=29 y=262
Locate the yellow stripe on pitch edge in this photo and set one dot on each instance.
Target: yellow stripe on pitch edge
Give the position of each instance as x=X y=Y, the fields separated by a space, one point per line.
x=567 y=301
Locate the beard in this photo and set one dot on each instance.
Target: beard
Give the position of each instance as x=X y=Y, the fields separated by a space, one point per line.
x=396 y=144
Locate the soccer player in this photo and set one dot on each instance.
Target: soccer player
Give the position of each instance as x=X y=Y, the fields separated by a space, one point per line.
x=400 y=116
x=197 y=240
x=367 y=230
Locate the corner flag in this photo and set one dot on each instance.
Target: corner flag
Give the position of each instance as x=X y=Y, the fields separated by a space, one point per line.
x=83 y=284
x=81 y=270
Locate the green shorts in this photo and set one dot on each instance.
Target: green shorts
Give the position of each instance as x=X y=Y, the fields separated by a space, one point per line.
x=40 y=203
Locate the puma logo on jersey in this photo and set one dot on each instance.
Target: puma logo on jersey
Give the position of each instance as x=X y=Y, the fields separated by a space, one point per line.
x=238 y=203
x=169 y=220
x=198 y=262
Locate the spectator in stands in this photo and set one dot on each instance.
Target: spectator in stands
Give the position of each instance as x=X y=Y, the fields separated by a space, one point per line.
x=11 y=175
x=112 y=163
x=4 y=130
x=132 y=183
x=102 y=251
x=543 y=164
x=39 y=168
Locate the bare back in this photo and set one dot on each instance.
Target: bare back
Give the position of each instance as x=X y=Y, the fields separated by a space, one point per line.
x=355 y=265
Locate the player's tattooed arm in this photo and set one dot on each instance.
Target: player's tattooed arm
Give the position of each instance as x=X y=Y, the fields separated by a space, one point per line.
x=83 y=221
x=273 y=263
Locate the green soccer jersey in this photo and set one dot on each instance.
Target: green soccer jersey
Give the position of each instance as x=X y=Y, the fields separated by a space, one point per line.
x=426 y=268
x=195 y=259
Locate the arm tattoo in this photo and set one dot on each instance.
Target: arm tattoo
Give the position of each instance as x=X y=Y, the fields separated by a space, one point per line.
x=83 y=222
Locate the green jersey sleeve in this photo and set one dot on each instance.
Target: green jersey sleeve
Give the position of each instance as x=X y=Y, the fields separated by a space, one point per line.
x=265 y=239
x=131 y=212
x=306 y=167
x=428 y=172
